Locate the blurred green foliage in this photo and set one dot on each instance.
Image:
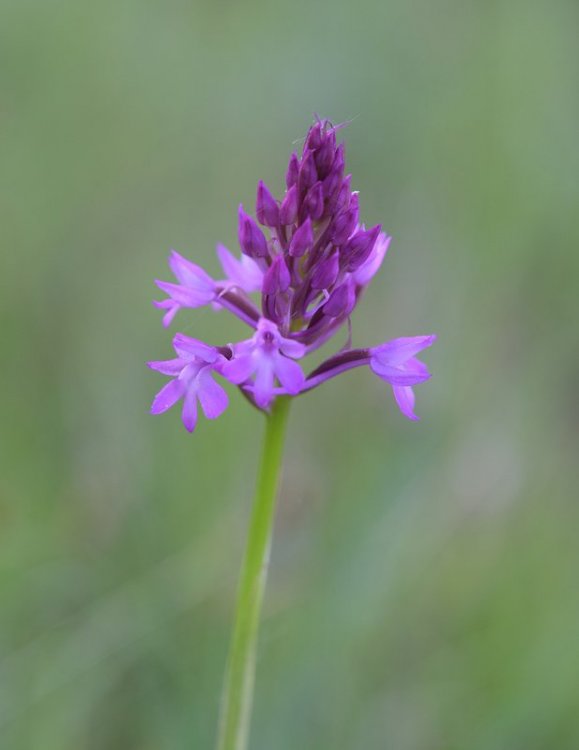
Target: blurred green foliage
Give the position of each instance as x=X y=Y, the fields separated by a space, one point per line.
x=423 y=592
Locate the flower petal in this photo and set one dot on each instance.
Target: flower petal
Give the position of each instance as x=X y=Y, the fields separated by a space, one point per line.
x=244 y=273
x=292 y=348
x=263 y=389
x=167 y=366
x=184 y=295
x=397 y=351
x=289 y=374
x=172 y=308
x=370 y=267
x=189 y=413
x=190 y=274
x=411 y=372
x=167 y=396
x=212 y=396
x=404 y=396
x=238 y=369
x=189 y=348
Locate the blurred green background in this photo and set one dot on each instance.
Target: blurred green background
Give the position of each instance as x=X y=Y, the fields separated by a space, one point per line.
x=424 y=584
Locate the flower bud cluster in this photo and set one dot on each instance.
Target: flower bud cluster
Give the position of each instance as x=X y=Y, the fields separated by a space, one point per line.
x=317 y=255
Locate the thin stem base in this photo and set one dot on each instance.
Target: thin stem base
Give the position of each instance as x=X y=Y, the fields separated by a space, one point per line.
x=240 y=675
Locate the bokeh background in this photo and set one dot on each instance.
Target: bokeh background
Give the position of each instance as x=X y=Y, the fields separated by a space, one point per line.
x=424 y=586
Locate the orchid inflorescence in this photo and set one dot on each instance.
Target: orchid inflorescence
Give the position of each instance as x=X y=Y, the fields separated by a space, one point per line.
x=311 y=261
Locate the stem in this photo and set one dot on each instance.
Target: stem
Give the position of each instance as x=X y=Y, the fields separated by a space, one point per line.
x=240 y=674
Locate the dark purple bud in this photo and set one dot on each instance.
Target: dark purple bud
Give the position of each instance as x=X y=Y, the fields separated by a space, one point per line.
x=289 y=207
x=339 y=159
x=277 y=277
x=303 y=239
x=341 y=301
x=314 y=137
x=359 y=247
x=308 y=174
x=344 y=197
x=266 y=206
x=251 y=239
x=344 y=225
x=331 y=183
x=293 y=169
x=325 y=154
x=314 y=201
x=326 y=272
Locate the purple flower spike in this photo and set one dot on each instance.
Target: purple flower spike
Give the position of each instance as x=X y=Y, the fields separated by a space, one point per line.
x=310 y=259
x=192 y=373
x=251 y=239
x=266 y=356
x=395 y=362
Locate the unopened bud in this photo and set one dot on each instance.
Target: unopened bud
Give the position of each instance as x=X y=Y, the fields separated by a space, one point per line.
x=289 y=207
x=251 y=239
x=266 y=207
x=302 y=240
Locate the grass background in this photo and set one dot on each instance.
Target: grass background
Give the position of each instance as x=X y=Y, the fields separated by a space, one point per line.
x=424 y=584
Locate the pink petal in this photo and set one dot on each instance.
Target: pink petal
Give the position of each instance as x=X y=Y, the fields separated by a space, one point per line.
x=292 y=348
x=190 y=274
x=404 y=396
x=167 y=366
x=167 y=396
x=189 y=348
x=263 y=390
x=289 y=374
x=244 y=273
x=397 y=351
x=212 y=396
x=411 y=372
x=189 y=413
x=172 y=309
x=370 y=267
x=238 y=369
x=184 y=295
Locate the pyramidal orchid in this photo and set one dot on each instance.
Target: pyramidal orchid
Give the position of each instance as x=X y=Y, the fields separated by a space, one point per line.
x=306 y=261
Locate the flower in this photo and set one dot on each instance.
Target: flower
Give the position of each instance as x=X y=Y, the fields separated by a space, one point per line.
x=192 y=373
x=195 y=288
x=395 y=363
x=310 y=259
x=266 y=355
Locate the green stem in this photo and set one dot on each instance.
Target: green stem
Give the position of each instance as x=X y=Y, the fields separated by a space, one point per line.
x=240 y=674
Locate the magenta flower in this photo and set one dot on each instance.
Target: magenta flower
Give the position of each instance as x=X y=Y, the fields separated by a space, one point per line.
x=395 y=363
x=195 y=288
x=192 y=373
x=267 y=355
x=311 y=261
